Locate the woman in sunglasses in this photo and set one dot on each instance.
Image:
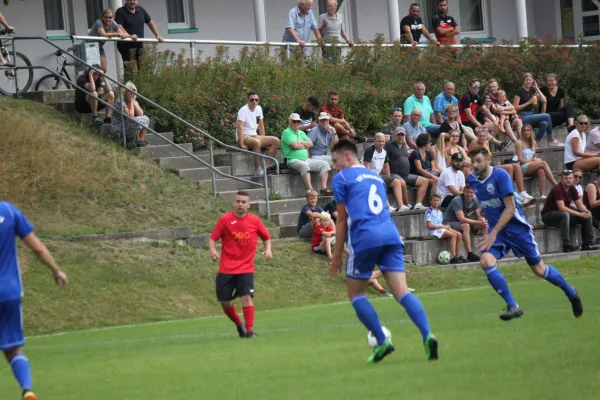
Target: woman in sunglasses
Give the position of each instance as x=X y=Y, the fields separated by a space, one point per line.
x=530 y=165
x=107 y=27
x=576 y=155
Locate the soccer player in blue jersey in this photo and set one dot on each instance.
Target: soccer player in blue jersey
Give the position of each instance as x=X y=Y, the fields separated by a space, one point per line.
x=12 y=340
x=366 y=226
x=508 y=230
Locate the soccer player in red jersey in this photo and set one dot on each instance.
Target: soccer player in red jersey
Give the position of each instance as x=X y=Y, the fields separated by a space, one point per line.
x=239 y=232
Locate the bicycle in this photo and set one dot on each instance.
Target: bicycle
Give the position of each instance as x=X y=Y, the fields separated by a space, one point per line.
x=60 y=81
x=11 y=77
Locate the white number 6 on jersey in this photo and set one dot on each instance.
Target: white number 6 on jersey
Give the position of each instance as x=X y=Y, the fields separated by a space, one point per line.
x=375 y=201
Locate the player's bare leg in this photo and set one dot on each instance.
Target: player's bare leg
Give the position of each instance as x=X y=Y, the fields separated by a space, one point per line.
x=488 y=264
x=551 y=274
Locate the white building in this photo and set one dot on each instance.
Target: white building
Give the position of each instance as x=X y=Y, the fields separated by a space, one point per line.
x=485 y=20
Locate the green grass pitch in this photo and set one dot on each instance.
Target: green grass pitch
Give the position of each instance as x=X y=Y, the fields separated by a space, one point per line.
x=319 y=352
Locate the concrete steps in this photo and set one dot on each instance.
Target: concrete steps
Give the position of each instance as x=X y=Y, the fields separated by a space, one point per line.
x=160 y=151
x=201 y=174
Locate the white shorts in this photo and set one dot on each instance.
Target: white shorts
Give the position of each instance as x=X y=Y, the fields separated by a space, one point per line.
x=304 y=167
x=438 y=233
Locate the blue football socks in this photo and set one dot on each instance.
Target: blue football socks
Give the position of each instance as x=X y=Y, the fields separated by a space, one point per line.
x=553 y=276
x=368 y=316
x=21 y=371
x=500 y=286
x=416 y=312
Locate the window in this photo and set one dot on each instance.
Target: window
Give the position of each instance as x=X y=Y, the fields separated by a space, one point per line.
x=471 y=16
x=55 y=13
x=179 y=14
x=94 y=10
x=589 y=18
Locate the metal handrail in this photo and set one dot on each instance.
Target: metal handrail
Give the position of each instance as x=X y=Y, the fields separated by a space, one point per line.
x=211 y=139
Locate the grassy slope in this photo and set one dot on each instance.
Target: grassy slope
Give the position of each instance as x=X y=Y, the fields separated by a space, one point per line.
x=70 y=181
x=117 y=283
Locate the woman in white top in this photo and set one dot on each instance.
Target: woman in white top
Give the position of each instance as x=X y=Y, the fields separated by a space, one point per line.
x=439 y=151
x=575 y=154
x=530 y=165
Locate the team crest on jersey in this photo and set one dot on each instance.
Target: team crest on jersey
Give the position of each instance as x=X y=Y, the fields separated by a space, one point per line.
x=490 y=188
x=1 y=220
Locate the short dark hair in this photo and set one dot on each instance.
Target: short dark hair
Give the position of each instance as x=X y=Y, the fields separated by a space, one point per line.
x=314 y=102
x=243 y=193
x=332 y=93
x=435 y=196
x=441 y=1
x=479 y=150
x=423 y=139
x=467 y=187
x=345 y=145
x=413 y=5
x=252 y=93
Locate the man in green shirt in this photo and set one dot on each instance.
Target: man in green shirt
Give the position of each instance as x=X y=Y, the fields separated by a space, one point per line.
x=294 y=147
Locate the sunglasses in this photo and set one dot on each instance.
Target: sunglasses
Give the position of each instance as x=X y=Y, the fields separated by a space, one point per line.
x=577 y=176
x=254 y=100
x=476 y=86
x=567 y=172
x=583 y=123
x=397 y=109
x=296 y=122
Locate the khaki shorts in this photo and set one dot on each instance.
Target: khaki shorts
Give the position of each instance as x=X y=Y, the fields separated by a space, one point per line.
x=252 y=138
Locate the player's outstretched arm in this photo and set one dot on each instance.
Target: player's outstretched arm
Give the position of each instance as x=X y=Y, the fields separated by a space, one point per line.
x=341 y=229
x=268 y=253
x=212 y=248
x=509 y=211
x=43 y=254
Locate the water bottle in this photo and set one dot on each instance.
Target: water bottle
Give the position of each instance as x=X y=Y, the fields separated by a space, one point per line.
x=429 y=259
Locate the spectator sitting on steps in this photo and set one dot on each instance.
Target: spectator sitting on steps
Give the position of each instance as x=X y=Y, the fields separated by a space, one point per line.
x=323 y=236
x=309 y=215
x=423 y=162
x=294 y=147
x=341 y=126
x=591 y=199
x=136 y=129
x=452 y=180
x=433 y=219
x=576 y=155
x=530 y=164
x=323 y=137
x=463 y=214
x=307 y=113
x=94 y=82
x=396 y=122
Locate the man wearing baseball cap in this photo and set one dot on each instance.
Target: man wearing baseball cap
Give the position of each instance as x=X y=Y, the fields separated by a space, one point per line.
x=323 y=137
x=452 y=180
x=294 y=147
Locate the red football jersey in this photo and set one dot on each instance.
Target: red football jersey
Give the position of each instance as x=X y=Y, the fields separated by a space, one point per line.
x=239 y=239
x=317 y=236
x=335 y=112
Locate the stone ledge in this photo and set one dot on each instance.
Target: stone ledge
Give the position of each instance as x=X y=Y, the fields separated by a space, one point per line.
x=170 y=234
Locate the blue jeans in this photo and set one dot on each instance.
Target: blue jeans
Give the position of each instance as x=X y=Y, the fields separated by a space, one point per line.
x=541 y=121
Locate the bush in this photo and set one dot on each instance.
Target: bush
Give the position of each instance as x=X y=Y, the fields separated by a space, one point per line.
x=371 y=81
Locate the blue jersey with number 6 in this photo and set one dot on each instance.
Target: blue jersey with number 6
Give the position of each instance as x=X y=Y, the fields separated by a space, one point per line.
x=363 y=193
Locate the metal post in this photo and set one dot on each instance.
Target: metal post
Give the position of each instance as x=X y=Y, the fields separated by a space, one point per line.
x=394 y=20
x=521 y=9
x=122 y=118
x=268 y=206
x=260 y=25
x=212 y=167
x=192 y=52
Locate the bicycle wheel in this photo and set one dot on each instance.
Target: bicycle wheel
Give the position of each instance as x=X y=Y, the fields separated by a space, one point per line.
x=51 y=82
x=9 y=78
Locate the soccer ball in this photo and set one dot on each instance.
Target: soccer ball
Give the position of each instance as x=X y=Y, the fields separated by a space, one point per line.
x=444 y=257
x=372 y=341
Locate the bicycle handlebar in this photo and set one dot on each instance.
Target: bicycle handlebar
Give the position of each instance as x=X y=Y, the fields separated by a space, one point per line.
x=5 y=31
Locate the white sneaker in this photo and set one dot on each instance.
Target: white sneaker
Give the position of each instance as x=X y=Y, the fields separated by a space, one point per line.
x=525 y=195
x=259 y=172
x=543 y=197
x=391 y=209
x=556 y=143
x=418 y=206
x=403 y=209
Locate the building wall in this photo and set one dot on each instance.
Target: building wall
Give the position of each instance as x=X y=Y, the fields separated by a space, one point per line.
x=503 y=21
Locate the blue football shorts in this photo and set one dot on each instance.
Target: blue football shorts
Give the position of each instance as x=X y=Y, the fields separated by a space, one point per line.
x=390 y=258
x=522 y=246
x=11 y=325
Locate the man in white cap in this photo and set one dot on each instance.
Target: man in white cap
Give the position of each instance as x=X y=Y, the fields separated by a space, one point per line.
x=323 y=137
x=294 y=147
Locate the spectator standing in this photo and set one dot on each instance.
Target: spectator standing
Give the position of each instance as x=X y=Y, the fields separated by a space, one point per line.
x=132 y=18
x=418 y=101
x=591 y=198
x=444 y=25
x=530 y=165
x=442 y=101
x=239 y=232
x=528 y=96
x=375 y=158
x=135 y=128
x=576 y=155
x=294 y=147
x=413 y=128
x=423 y=163
x=331 y=27
x=397 y=152
x=452 y=180
x=309 y=215
x=336 y=118
x=323 y=137
x=323 y=236
x=412 y=27
x=557 y=212
x=593 y=141
x=95 y=83
x=434 y=220
x=307 y=113
x=396 y=122
x=555 y=106
x=251 y=132
x=107 y=27
x=464 y=215
x=300 y=22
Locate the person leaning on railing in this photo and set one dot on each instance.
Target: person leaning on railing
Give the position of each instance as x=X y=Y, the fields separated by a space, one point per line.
x=95 y=83
x=107 y=27
x=136 y=129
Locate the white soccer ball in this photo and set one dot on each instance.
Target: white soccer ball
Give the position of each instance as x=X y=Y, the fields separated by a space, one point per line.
x=372 y=341
x=444 y=257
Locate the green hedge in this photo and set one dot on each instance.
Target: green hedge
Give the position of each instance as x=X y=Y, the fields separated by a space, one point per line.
x=371 y=81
